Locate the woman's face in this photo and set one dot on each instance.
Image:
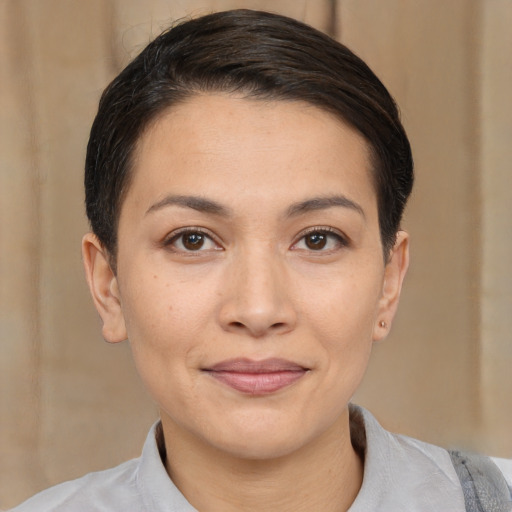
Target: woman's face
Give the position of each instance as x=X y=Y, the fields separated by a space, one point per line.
x=250 y=276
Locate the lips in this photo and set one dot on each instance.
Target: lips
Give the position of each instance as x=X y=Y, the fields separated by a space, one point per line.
x=257 y=377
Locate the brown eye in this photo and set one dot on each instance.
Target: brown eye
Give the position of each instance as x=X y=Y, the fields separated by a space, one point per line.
x=322 y=240
x=316 y=241
x=193 y=241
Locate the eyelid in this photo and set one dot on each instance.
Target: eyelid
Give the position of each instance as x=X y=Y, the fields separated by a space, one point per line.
x=170 y=238
x=342 y=238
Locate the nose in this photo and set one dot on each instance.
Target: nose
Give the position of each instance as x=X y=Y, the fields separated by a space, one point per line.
x=257 y=296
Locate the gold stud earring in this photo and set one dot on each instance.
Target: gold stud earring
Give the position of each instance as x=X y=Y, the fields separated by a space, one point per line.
x=382 y=324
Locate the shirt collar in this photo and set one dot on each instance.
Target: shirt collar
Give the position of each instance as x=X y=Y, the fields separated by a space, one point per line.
x=158 y=491
x=400 y=473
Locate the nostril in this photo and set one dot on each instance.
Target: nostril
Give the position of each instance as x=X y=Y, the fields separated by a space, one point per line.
x=258 y=330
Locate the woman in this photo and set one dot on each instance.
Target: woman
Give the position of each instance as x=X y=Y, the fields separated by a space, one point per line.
x=245 y=181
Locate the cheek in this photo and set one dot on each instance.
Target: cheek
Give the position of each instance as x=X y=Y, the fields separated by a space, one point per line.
x=165 y=320
x=165 y=327
x=342 y=318
x=161 y=297
x=343 y=304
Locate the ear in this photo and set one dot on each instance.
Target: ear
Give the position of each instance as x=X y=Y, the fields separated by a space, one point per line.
x=104 y=288
x=394 y=274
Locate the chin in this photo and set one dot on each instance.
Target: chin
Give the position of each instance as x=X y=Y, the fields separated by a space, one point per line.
x=260 y=446
x=262 y=436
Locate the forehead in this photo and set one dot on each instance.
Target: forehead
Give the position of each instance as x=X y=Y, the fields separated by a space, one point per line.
x=259 y=146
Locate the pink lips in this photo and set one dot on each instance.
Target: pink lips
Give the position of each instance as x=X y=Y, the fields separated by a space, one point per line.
x=257 y=377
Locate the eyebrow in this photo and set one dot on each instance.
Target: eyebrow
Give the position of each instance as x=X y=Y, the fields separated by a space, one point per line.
x=212 y=207
x=195 y=202
x=322 y=203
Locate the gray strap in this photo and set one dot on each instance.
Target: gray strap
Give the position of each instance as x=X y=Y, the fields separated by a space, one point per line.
x=485 y=488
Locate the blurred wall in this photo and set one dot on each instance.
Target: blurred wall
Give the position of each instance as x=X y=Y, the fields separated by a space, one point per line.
x=71 y=403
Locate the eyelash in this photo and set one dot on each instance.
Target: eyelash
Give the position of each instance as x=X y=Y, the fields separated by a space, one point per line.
x=176 y=235
x=341 y=241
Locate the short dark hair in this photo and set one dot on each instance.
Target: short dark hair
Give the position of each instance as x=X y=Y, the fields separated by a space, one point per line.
x=259 y=55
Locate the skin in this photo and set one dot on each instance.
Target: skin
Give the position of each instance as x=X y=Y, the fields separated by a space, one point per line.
x=258 y=287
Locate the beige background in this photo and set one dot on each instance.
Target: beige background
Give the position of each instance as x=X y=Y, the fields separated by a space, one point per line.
x=71 y=403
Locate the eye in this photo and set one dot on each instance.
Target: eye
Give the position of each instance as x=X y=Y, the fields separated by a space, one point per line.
x=320 y=240
x=191 y=240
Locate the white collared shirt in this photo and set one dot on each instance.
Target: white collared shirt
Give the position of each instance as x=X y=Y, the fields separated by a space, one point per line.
x=400 y=474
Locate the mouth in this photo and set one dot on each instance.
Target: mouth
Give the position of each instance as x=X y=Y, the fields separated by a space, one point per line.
x=257 y=377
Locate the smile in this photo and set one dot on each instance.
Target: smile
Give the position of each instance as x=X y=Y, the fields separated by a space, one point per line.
x=257 y=377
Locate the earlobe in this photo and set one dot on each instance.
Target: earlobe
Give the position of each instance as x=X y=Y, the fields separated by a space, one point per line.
x=394 y=275
x=104 y=288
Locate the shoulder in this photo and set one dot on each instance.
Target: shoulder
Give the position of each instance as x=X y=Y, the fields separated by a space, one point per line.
x=138 y=485
x=401 y=473
x=505 y=466
x=102 y=491
x=405 y=474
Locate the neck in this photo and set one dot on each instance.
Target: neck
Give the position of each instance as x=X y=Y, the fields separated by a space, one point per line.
x=324 y=475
